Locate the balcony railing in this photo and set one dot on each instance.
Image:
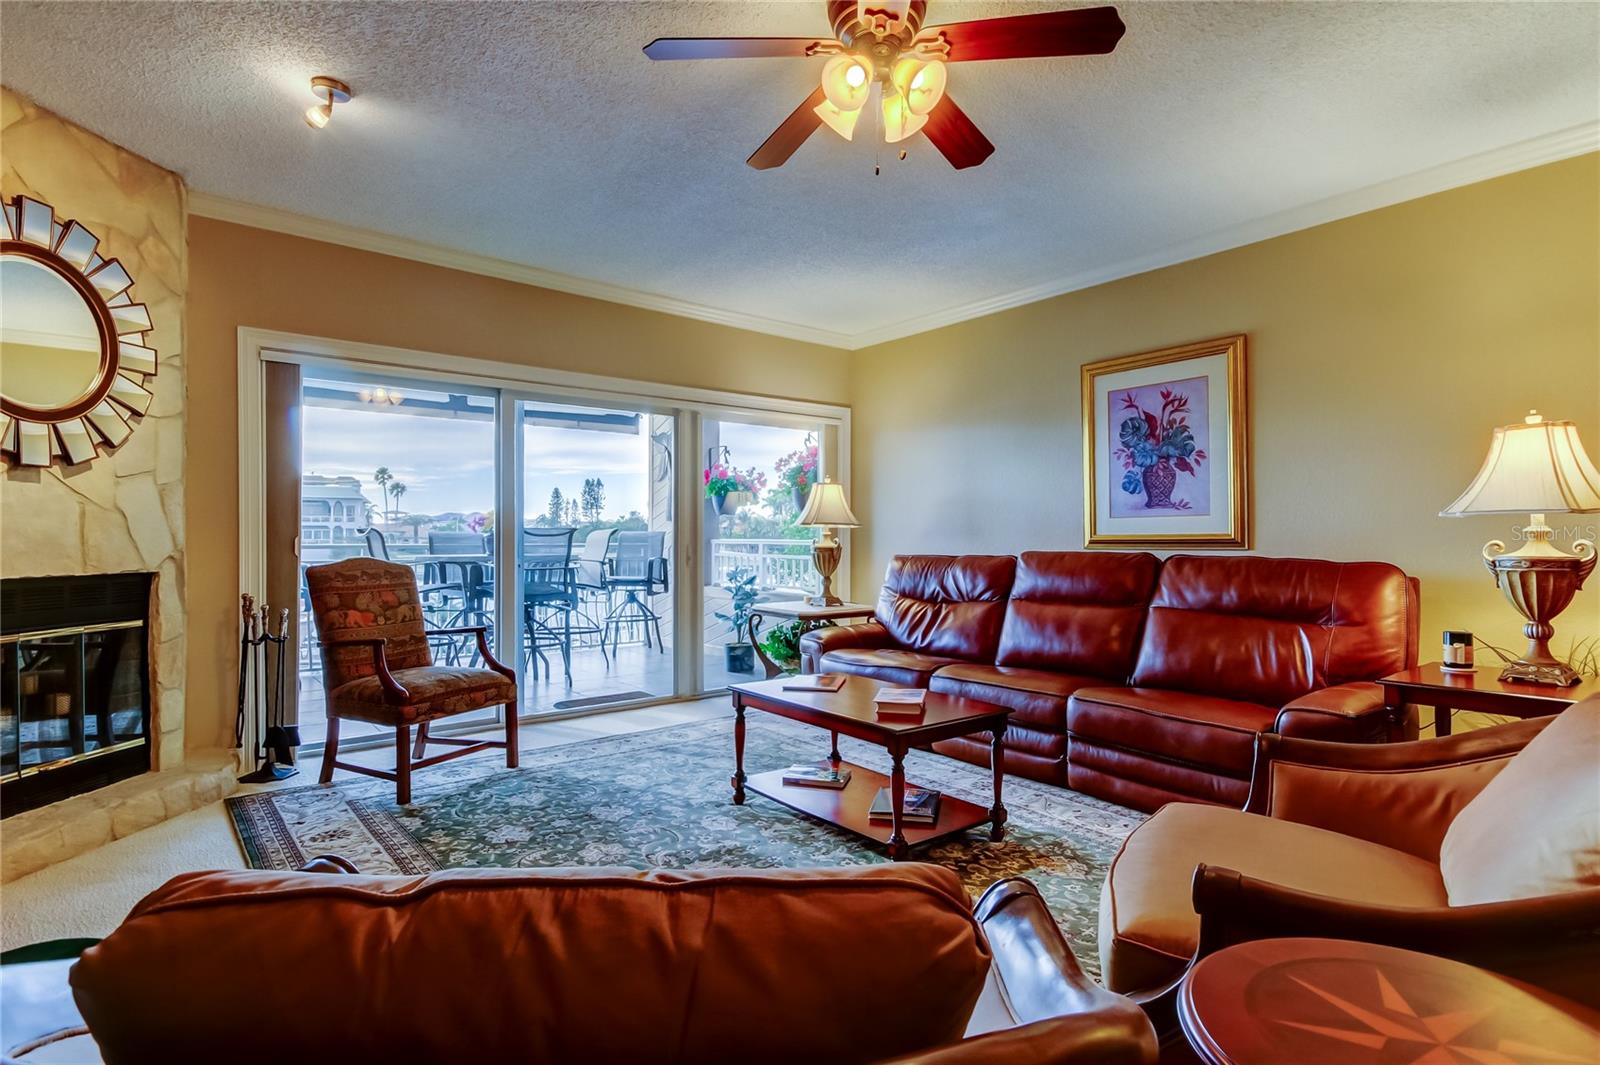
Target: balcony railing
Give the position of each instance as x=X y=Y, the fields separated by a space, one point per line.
x=777 y=564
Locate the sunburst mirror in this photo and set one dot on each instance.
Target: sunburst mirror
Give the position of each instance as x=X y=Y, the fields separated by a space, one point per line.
x=73 y=362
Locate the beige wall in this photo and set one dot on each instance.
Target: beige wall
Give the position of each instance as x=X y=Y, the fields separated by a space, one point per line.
x=1383 y=349
x=249 y=277
x=122 y=512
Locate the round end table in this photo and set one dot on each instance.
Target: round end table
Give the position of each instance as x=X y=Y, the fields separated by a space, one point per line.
x=1311 y=1001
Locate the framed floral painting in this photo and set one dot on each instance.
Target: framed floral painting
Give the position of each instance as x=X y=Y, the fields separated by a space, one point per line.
x=1166 y=448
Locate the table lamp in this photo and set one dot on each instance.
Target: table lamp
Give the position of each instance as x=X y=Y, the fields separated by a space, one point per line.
x=827 y=507
x=1536 y=468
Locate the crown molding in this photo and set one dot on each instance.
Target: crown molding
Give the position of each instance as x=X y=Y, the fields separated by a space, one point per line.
x=1537 y=151
x=223 y=209
x=1550 y=148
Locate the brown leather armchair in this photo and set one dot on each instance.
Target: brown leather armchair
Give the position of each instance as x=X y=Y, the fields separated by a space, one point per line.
x=859 y=965
x=1343 y=841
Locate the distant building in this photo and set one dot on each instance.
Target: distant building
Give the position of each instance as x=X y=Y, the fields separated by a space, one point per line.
x=333 y=510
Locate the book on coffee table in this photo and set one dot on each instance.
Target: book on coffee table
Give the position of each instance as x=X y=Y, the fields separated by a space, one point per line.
x=824 y=775
x=905 y=702
x=815 y=682
x=919 y=806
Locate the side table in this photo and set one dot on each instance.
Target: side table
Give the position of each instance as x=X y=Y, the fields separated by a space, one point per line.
x=1337 y=1002
x=1482 y=691
x=799 y=610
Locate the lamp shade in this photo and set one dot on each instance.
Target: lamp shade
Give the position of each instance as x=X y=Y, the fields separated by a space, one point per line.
x=826 y=505
x=1537 y=467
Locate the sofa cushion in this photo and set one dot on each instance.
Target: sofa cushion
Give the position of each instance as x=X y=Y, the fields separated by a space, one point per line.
x=434 y=691
x=905 y=669
x=1038 y=697
x=592 y=965
x=1078 y=611
x=1535 y=828
x=1200 y=730
x=949 y=605
x=1148 y=927
x=1267 y=630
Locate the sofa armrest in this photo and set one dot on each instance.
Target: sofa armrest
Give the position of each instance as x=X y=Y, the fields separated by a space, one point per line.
x=1124 y=1038
x=1350 y=713
x=818 y=642
x=1401 y=795
x=1549 y=942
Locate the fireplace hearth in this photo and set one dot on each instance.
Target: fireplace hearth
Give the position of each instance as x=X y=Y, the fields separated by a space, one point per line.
x=74 y=686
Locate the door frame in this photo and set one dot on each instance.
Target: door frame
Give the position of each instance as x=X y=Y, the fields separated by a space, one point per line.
x=513 y=381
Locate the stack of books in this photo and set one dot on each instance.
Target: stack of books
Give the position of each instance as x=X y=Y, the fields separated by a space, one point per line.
x=824 y=775
x=918 y=807
x=900 y=702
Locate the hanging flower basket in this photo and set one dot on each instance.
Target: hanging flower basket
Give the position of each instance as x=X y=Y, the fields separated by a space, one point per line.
x=729 y=488
x=797 y=471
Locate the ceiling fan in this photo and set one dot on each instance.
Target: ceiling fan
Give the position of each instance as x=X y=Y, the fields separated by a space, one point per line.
x=882 y=49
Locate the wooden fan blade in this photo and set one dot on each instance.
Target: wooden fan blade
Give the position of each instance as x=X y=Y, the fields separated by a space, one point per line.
x=1082 y=31
x=957 y=139
x=789 y=136
x=734 y=47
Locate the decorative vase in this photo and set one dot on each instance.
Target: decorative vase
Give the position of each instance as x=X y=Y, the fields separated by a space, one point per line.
x=739 y=657
x=723 y=504
x=1159 y=481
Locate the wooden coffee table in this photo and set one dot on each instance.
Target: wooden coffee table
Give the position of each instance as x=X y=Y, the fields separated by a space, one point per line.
x=851 y=711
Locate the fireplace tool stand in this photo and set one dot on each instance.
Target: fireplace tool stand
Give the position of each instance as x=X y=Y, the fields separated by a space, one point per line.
x=262 y=654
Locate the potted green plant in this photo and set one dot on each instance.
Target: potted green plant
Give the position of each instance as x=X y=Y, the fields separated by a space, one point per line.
x=797 y=472
x=781 y=643
x=728 y=487
x=739 y=654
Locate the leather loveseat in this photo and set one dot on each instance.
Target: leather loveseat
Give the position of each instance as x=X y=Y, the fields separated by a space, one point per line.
x=853 y=965
x=1133 y=678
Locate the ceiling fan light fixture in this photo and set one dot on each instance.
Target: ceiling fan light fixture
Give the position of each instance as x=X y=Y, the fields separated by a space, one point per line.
x=330 y=91
x=899 y=120
x=841 y=122
x=846 y=82
x=921 y=83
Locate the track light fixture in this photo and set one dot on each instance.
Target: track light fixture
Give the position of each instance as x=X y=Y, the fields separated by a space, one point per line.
x=330 y=91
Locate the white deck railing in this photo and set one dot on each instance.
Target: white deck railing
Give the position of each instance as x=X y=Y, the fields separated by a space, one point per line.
x=777 y=564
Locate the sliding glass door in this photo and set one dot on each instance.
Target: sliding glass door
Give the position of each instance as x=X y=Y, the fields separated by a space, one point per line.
x=404 y=471
x=594 y=554
x=755 y=550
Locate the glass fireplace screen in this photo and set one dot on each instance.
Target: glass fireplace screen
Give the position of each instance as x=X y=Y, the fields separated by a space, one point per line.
x=71 y=694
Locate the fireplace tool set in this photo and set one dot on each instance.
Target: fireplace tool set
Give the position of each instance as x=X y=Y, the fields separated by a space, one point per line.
x=262 y=655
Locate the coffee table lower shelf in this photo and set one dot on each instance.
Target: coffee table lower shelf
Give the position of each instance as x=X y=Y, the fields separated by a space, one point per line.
x=847 y=807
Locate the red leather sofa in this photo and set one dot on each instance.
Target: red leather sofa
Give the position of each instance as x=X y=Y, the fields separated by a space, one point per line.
x=1133 y=678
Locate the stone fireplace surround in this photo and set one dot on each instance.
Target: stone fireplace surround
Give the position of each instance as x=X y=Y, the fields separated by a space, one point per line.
x=124 y=511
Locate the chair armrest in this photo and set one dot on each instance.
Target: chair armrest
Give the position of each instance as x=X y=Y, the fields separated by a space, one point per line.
x=1401 y=795
x=482 y=633
x=1122 y=1038
x=1550 y=941
x=393 y=690
x=818 y=642
x=1352 y=713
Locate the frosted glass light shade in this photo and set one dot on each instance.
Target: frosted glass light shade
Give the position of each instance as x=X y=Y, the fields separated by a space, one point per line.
x=899 y=121
x=921 y=84
x=841 y=122
x=826 y=505
x=846 y=82
x=1537 y=467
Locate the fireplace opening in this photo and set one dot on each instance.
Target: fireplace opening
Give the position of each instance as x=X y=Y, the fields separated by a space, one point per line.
x=74 y=686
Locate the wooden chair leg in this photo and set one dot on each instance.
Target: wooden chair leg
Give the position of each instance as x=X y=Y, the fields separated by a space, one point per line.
x=422 y=741
x=330 y=751
x=510 y=710
x=402 y=764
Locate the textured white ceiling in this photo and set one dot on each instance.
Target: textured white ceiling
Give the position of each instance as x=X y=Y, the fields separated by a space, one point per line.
x=538 y=133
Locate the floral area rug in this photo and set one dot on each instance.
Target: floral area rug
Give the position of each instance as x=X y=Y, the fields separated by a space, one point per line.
x=662 y=798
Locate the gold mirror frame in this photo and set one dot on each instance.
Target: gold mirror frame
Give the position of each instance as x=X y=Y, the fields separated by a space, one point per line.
x=98 y=419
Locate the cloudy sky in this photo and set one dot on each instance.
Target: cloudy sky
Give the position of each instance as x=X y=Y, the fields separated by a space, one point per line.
x=448 y=465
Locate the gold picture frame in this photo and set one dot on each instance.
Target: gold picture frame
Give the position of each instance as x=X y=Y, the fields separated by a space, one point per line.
x=1155 y=429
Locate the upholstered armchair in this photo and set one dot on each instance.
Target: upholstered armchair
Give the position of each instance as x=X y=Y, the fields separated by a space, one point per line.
x=378 y=668
x=1483 y=847
x=857 y=965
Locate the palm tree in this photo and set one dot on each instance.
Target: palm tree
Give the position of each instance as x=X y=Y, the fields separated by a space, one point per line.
x=397 y=489
x=383 y=477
